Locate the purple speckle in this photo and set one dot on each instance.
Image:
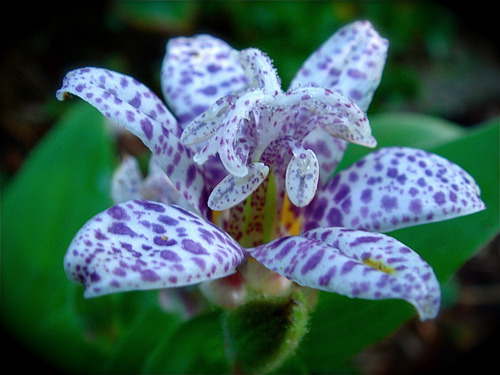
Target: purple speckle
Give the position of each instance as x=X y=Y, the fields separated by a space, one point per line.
x=150 y=205
x=213 y=68
x=325 y=280
x=169 y=255
x=341 y=194
x=416 y=206
x=147 y=128
x=365 y=240
x=157 y=228
x=170 y=221
x=119 y=272
x=191 y=175
x=348 y=266
x=356 y=74
x=334 y=217
x=193 y=247
x=209 y=90
x=312 y=262
x=439 y=198
x=99 y=235
x=149 y=275
x=199 y=262
x=366 y=196
x=122 y=229
x=355 y=94
x=118 y=213
x=389 y=203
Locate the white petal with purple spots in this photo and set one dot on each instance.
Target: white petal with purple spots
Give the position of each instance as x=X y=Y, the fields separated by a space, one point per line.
x=127 y=181
x=394 y=188
x=307 y=108
x=351 y=62
x=139 y=245
x=328 y=149
x=196 y=71
x=356 y=264
x=260 y=70
x=233 y=190
x=138 y=109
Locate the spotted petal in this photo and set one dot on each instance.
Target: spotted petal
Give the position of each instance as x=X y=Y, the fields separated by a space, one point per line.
x=394 y=188
x=351 y=62
x=197 y=71
x=356 y=264
x=318 y=107
x=233 y=190
x=127 y=181
x=135 y=107
x=139 y=245
x=231 y=140
x=328 y=149
x=260 y=70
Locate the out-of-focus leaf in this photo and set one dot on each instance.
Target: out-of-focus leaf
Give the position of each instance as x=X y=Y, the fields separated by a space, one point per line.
x=196 y=347
x=141 y=335
x=63 y=182
x=412 y=129
x=161 y=16
x=405 y=129
x=340 y=327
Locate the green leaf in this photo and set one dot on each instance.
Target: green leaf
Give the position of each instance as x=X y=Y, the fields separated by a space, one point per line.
x=141 y=335
x=340 y=327
x=405 y=129
x=64 y=182
x=412 y=129
x=196 y=347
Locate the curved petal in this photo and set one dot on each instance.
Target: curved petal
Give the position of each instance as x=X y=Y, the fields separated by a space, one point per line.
x=206 y=124
x=139 y=245
x=121 y=98
x=351 y=61
x=135 y=107
x=232 y=140
x=306 y=108
x=394 y=188
x=127 y=181
x=260 y=70
x=356 y=264
x=233 y=190
x=196 y=71
x=158 y=187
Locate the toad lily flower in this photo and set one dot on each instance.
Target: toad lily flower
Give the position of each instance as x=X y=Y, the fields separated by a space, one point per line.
x=248 y=167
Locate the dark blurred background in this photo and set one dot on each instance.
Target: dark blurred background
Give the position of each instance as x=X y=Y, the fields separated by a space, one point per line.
x=443 y=61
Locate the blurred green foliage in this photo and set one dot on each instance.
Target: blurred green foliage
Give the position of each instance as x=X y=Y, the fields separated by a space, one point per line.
x=65 y=181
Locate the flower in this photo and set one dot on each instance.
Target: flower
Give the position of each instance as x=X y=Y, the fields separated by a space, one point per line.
x=262 y=127
x=246 y=170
